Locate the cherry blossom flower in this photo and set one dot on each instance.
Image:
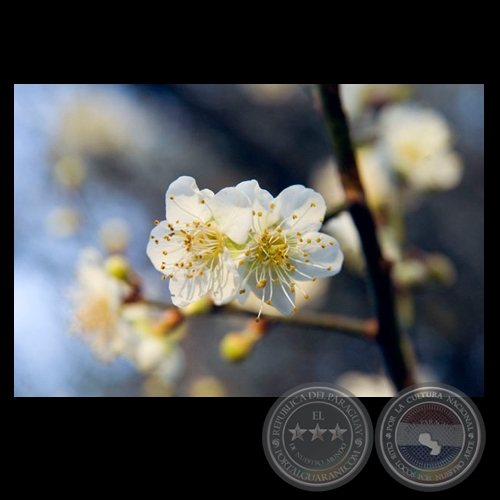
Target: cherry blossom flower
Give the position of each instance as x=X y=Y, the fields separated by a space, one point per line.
x=97 y=299
x=285 y=246
x=194 y=246
x=418 y=143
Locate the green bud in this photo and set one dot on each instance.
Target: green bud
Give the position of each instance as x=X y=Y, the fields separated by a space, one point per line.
x=117 y=266
x=236 y=346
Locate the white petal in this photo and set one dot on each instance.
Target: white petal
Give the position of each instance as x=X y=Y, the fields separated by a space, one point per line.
x=226 y=280
x=281 y=298
x=323 y=262
x=278 y=293
x=263 y=204
x=303 y=209
x=232 y=211
x=185 y=291
x=158 y=244
x=186 y=203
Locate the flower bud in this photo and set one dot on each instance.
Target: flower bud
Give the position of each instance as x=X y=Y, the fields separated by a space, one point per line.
x=168 y=321
x=117 y=266
x=441 y=269
x=409 y=273
x=201 y=306
x=236 y=346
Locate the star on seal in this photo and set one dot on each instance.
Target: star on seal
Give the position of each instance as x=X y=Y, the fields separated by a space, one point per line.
x=317 y=433
x=337 y=433
x=297 y=433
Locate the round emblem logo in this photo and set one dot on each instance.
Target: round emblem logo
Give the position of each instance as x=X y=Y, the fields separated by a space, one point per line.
x=317 y=436
x=430 y=437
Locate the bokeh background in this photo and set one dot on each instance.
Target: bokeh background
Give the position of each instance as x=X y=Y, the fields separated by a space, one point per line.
x=134 y=140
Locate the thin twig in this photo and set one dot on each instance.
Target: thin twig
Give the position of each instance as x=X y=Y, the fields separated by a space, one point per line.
x=389 y=337
x=322 y=321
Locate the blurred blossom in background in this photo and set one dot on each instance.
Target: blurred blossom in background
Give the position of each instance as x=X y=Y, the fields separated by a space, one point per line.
x=91 y=167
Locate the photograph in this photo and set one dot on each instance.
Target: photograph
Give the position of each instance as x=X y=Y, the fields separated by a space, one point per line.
x=242 y=240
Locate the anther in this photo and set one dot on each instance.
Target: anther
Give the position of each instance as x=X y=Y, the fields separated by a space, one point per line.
x=313 y=205
x=262 y=283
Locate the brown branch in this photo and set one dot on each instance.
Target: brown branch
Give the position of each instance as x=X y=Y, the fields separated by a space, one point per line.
x=322 y=321
x=389 y=337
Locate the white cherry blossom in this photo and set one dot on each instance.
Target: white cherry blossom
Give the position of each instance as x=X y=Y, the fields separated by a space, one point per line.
x=285 y=246
x=418 y=143
x=194 y=245
x=97 y=298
